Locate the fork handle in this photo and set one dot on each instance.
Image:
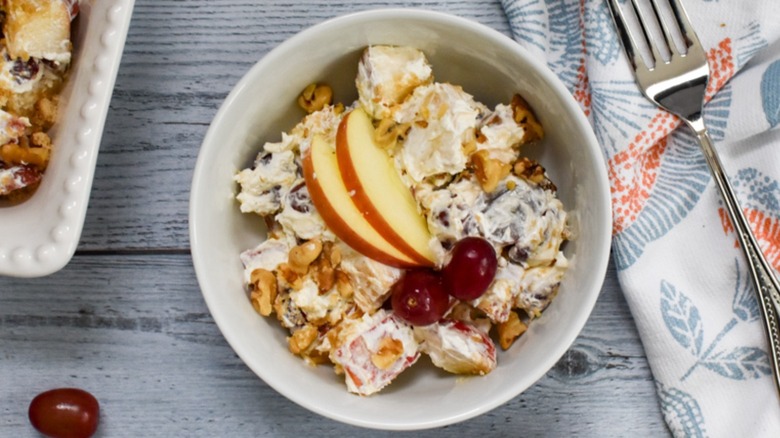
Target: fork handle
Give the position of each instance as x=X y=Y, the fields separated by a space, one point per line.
x=761 y=271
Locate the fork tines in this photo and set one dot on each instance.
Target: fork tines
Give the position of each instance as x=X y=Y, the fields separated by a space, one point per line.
x=631 y=40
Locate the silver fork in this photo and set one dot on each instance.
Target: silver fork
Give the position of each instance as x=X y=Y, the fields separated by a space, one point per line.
x=678 y=85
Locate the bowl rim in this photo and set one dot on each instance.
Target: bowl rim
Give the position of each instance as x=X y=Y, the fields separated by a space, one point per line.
x=497 y=37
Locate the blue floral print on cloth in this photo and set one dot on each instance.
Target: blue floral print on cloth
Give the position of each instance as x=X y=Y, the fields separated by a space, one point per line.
x=678 y=262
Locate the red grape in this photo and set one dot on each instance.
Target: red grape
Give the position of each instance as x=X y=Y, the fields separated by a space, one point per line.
x=419 y=297
x=471 y=268
x=65 y=413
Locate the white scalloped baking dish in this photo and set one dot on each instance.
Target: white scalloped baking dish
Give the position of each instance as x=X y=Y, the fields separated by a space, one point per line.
x=39 y=236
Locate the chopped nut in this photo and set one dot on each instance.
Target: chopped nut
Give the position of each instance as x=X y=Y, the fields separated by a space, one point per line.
x=14 y=154
x=303 y=255
x=314 y=97
x=489 y=171
x=344 y=285
x=263 y=285
x=322 y=270
x=302 y=338
x=334 y=255
x=324 y=274
x=290 y=276
x=389 y=351
x=288 y=314
x=388 y=132
x=533 y=172
x=316 y=357
x=332 y=335
x=510 y=330
x=470 y=147
x=524 y=117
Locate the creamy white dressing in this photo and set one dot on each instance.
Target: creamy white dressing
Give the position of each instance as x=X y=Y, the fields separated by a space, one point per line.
x=501 y=135
x=450 y=210
x=442 y=119
x=538 y=285
x=299 y=218
x=267 y=255
x=329 y=305
x=458 y=350
x=526 y=217
x=263 y=186
x=387 y=74
x=498 y=300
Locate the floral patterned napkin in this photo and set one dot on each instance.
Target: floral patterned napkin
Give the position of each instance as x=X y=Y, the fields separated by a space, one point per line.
x=678 y=262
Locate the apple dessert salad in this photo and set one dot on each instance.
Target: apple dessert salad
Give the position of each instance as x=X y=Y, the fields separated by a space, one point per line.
x=403 y=224
x=35 y=53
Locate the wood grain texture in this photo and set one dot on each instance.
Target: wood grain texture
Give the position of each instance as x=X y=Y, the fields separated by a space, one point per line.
x=126 y=320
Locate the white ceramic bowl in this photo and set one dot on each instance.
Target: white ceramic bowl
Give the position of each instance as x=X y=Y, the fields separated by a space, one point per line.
x=39 y=236
x=262 y=105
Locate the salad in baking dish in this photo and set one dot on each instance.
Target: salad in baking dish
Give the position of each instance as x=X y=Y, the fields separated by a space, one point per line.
x=35 y=55
x=405 y=223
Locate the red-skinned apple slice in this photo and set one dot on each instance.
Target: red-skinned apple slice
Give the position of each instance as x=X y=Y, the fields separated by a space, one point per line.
x=379 y=193
x=333 y=202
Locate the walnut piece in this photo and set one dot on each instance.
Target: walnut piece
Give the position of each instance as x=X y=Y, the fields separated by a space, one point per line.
x=533 y=172
x=315 y=97
x=322 y=269
x=263 y=286
x=324 y=274
x=301 y=256
x=510 y=330
x=302 y=338
x=388 y=353
x=344 y=285
x=387 y=133
x=289 y=276
x=489 y=171
x=524 y=117
x=334 y=254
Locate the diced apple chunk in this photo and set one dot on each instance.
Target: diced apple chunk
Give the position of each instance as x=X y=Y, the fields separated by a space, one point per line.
x=458 y=347
x=374 y=350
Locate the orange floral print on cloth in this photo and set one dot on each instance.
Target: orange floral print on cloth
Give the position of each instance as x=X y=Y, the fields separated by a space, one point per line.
x=678 y=264
x=632 y=172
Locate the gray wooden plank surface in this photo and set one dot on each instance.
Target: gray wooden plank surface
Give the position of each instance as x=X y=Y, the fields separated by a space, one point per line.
x=125 y=319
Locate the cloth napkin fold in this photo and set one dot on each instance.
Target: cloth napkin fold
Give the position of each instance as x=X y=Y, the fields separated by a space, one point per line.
x=678 y=262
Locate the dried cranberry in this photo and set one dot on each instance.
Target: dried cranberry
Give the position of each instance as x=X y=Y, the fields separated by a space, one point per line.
x=299 y=198
x=24 y=71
